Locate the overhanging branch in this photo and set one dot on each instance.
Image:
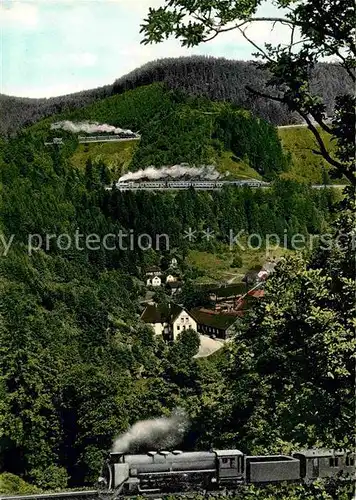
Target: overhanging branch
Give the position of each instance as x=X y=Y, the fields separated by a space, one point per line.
x=218 y=29
x=323 y=151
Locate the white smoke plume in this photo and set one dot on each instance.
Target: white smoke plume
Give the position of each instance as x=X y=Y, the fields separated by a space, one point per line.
x=88 y=127
x=207 y=172
x=158 y=433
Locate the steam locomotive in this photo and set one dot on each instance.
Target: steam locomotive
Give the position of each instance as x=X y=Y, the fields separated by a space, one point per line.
x=161 y=472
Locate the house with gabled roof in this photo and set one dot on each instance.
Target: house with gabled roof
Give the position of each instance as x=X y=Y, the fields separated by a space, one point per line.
x=213 y=323
x=155 y=281
x=168 y=320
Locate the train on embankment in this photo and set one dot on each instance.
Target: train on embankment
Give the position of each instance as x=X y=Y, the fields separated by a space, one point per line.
x=119 y=137
x=175 y=185
x=200 y=185
x=167 y=472
x=214 y=472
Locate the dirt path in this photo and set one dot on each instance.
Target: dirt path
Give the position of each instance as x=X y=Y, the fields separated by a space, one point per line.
x=208 y=346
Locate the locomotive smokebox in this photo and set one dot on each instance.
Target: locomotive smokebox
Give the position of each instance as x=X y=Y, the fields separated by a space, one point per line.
x=117 y=457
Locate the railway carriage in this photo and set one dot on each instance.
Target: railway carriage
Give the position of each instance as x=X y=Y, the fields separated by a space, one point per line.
x=325 y=464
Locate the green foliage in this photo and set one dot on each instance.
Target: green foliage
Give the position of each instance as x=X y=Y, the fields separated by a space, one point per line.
x=237 y=262
x=320 y=490
x=180 y=129
x=52 y=477
x=116 y=156
x=289 y=375
x=192 y=297
x=181 y=369
x=306 y=166
x=11 y=484
x=288 y=205
x=77 y=367
x=252 y=139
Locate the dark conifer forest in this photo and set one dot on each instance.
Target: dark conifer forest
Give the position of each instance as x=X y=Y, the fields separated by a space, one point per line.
x=218 y=79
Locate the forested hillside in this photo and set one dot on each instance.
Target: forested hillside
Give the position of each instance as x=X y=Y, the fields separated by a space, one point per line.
x=226 y=80
x=77 y=366
x=217 y=79
x=19 y=112
x=177 y=129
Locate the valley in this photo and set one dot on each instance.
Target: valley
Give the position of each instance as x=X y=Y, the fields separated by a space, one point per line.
x=99 y=336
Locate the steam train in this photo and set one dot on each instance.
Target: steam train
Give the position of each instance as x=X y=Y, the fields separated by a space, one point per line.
x=186 y=184
x=122 y=136
x=161 y=472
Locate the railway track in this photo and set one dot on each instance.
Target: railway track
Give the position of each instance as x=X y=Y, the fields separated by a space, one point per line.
x=69 y=495
x=97 y=495
x=202 y=185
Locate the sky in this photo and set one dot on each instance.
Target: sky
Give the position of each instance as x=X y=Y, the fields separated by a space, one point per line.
x=56 y=47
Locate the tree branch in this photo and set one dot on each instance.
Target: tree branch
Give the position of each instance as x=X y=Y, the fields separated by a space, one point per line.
x=291 y=43
x=323 y=151
x=340 y=166
x=266 y=96
x=218 y=29
x=255 y=45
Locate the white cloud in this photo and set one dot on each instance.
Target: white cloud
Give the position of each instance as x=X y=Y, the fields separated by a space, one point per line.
x=19 y=14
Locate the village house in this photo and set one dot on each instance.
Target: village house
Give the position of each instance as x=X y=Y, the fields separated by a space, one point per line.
x=170 y=278
x=155 y=281
x=168 y=320
x=214 y=324
x=225 y=298
x=246 y=301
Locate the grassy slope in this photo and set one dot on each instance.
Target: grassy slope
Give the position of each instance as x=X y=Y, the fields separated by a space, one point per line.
x=116 y=155
x=217 y=268
x=237 y=169
x=306 y=166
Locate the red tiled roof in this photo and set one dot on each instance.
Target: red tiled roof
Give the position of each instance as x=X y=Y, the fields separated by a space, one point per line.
x=258 y=294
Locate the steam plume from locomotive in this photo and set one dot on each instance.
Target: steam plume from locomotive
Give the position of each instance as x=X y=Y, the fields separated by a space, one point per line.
x=88 y=127
x=176 y=171
x=158 y=433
